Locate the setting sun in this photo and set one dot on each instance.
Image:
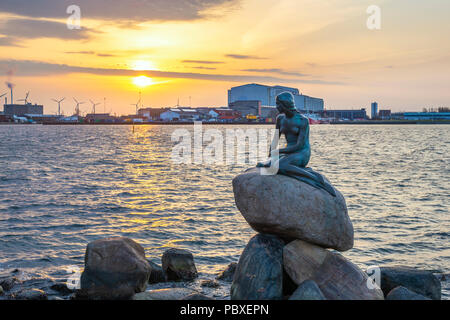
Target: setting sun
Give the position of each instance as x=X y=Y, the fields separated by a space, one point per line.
x=142 y=81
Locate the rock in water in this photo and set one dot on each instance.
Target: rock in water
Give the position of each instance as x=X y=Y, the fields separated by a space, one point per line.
x=31 y=294
x=210 y=283
x=197 y=296
x=401 y=293
x=165 y=294
x=289 y=208
x=259 y=273
x=115 y=268
x=178 y=264
x=8 y=283
x=337 y=278
x=308 y=290
x=228 y=274
x=419 y=281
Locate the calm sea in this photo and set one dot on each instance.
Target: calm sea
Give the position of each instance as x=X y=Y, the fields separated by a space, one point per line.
x=64 y=186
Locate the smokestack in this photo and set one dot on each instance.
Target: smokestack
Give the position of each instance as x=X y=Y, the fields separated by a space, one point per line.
x=10 y=86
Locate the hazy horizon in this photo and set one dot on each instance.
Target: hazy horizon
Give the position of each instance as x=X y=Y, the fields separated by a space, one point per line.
x=196 y=50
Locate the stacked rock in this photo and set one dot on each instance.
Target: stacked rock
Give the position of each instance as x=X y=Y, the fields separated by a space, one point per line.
x=297 y=224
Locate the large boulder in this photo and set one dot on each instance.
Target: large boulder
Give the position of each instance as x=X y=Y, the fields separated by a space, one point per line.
x=401 y=293
x=289 y=208
x=419 y=281
x=115 y=268
x=259 y=273
x=337 y=278
x=178 y=264
x=308 y=290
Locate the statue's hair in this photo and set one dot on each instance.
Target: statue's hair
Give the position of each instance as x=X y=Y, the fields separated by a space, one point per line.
x=287 y=100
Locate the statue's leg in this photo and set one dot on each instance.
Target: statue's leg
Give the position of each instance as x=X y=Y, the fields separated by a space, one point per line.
x=310 y=177
x=307 y=177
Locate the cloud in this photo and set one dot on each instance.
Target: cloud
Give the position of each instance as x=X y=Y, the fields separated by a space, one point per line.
x=204 y=68
x=131 y=10
x=36 y=68
x=32 y=29
x=8 y=42
x=202 y=61
x=243 y=57
x=98 y=54
x=278 y=71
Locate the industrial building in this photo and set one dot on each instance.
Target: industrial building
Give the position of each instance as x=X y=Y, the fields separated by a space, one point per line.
x=346 y=114
x=267 y=96
x=384 y=114
x=22 y=109
x=246 y=107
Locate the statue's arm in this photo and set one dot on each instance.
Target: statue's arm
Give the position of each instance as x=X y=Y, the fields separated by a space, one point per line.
x=277 y=135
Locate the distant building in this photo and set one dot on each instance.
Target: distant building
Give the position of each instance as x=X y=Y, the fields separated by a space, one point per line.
x=22 y=109
x=384 y=114
x=99 y=118
x=246 y=107
x=5 y=118
x=426 y=115
x=374 y=110
x=268 y=112
x=151 y=113
x=346 y=114
x=41 y=118
x=180 y=114
x=267 y=96
x=227 y=114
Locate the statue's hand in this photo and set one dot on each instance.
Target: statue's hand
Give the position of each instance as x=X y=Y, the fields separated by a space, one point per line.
x=263 y=164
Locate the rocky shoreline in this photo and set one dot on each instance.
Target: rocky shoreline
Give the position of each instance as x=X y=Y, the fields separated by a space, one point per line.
x=400 y=283
x=294 y=256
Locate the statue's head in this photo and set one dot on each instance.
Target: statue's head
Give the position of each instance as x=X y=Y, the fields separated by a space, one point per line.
x=285 y=102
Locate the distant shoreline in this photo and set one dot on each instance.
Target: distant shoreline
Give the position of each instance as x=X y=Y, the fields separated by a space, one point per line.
x=375 y=122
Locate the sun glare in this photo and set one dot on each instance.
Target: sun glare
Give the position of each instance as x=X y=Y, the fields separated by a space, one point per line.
x=142 y=81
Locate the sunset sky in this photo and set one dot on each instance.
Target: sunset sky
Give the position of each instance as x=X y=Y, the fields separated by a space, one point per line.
x=201 y=48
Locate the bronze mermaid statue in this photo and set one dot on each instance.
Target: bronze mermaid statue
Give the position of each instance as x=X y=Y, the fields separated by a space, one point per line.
x=292 y=159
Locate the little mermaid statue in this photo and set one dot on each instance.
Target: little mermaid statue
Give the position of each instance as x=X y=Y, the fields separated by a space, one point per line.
x=293 y=158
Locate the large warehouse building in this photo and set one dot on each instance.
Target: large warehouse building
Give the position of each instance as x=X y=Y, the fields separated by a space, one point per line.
x=268 y=94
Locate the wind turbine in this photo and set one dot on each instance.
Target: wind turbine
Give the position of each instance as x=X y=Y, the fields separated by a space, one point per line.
x=77 y=108
x=3 y=95
x=59 y=105
x=93 y=105
x=26 y=98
